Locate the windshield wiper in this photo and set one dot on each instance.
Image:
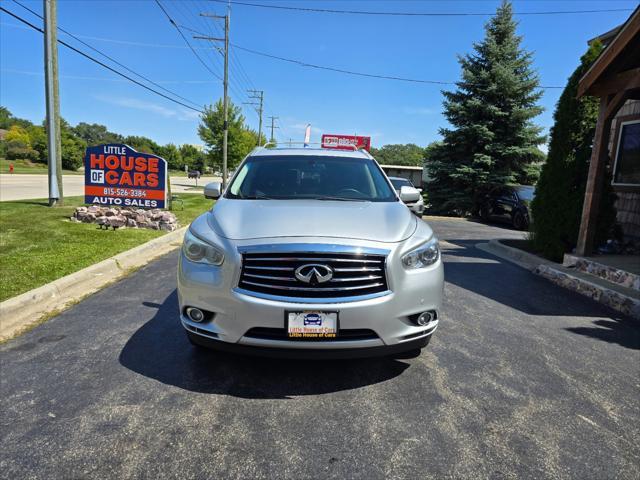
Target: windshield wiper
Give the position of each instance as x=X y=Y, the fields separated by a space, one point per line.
x=260 y=196
x=340 y=199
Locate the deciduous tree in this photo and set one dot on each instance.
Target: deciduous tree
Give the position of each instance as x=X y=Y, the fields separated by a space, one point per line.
x=399 y=154
x=95 y=134
x=240 y=140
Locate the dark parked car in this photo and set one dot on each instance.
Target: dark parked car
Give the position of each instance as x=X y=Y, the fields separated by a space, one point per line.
x=194 y=174
x=507 y=204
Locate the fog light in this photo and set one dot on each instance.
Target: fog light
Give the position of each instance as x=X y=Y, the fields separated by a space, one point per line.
x=425 y=318
x=195 y=314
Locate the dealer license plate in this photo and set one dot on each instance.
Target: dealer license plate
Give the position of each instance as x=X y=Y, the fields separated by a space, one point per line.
x=312 y=325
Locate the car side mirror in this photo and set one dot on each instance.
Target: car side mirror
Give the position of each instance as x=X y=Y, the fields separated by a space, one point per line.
x=409 y=194
x=212 y=190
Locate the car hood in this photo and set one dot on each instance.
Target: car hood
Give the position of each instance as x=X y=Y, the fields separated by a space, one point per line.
x=251 y=219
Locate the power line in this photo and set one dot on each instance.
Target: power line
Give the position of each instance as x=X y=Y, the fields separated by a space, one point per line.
x=351 y=72
x=240 y=82
x=211 y=33
x=108 y=57
x=185 y=39
x=414 y=14
x=95 y=60
x=237 y=89
x=192 y=16
x=109 y=40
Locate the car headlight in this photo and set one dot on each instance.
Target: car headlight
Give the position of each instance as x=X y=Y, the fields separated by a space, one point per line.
x=199 y=251
x=423 y=256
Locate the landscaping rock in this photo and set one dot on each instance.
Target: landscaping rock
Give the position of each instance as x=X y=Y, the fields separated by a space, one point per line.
x=117 y=221
x=169 y=227
x=117 y=217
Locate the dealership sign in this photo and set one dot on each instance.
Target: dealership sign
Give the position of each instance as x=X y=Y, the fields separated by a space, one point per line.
x=346 y=142
x=117 y=175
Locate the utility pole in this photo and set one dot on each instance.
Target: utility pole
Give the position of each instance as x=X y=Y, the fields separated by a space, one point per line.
x=273 y=125
x=225 y=83
x=53 y=102
x=257 y=95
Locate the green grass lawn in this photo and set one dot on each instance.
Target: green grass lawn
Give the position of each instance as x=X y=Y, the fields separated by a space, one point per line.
x=25 y=166
x=39 y=244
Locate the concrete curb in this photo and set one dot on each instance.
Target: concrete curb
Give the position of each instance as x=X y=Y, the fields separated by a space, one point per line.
x=519 y=257
x=30 y=308
x=622 y=299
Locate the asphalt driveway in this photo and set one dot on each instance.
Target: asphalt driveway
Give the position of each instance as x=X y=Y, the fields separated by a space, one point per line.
x=523 y=379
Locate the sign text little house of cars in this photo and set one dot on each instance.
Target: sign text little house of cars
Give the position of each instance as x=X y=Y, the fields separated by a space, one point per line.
x=118 y=175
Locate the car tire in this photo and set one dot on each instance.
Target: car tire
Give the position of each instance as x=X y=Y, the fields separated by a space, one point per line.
x=519 y=222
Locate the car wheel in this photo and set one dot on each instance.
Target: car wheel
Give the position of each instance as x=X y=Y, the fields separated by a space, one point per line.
x=519 y=222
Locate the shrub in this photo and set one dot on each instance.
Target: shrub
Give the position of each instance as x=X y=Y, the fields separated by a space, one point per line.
x=557 y=207
x=18 y=150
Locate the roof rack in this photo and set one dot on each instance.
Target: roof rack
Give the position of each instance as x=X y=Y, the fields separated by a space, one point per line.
x=289 y=144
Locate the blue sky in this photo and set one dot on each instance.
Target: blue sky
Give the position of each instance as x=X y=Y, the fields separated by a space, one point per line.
x=137 y=34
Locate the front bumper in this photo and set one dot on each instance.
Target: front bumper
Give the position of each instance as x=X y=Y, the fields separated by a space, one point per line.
x=236 y=312
x=313 y=354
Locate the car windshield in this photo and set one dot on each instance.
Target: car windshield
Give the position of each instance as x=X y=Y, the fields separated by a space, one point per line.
x=288 y=177
x=400 y=182
x=526 y=193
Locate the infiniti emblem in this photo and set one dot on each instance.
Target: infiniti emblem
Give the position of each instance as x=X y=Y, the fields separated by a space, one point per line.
x=314 y=273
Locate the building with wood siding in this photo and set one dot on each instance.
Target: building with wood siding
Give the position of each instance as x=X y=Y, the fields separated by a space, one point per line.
x=615 y=79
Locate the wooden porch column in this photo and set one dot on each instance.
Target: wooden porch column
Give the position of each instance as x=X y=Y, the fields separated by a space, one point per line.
x=593 y=191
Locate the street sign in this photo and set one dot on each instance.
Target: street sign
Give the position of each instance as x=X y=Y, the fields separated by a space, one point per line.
x=345 y=142
x=116 y=174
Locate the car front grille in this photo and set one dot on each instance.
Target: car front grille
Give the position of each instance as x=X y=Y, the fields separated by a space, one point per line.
x=353 y=274
x=344 y=335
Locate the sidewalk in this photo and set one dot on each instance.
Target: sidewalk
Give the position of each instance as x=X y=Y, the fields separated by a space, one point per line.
x=30 y=186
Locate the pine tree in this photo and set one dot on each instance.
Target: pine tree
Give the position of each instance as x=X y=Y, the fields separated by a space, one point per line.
x=557 y=207
x=493 y=140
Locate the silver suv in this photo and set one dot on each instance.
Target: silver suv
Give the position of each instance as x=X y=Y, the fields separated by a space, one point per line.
x=310 y=252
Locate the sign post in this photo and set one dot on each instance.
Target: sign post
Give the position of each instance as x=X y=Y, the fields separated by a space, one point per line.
x=117 y=175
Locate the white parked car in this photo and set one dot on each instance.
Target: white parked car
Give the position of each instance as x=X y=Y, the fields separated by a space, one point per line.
x=310 y=252
x=417 y=206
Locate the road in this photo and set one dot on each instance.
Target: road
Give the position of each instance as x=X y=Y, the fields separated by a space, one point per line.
x=28 y=186
x=523 y=379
